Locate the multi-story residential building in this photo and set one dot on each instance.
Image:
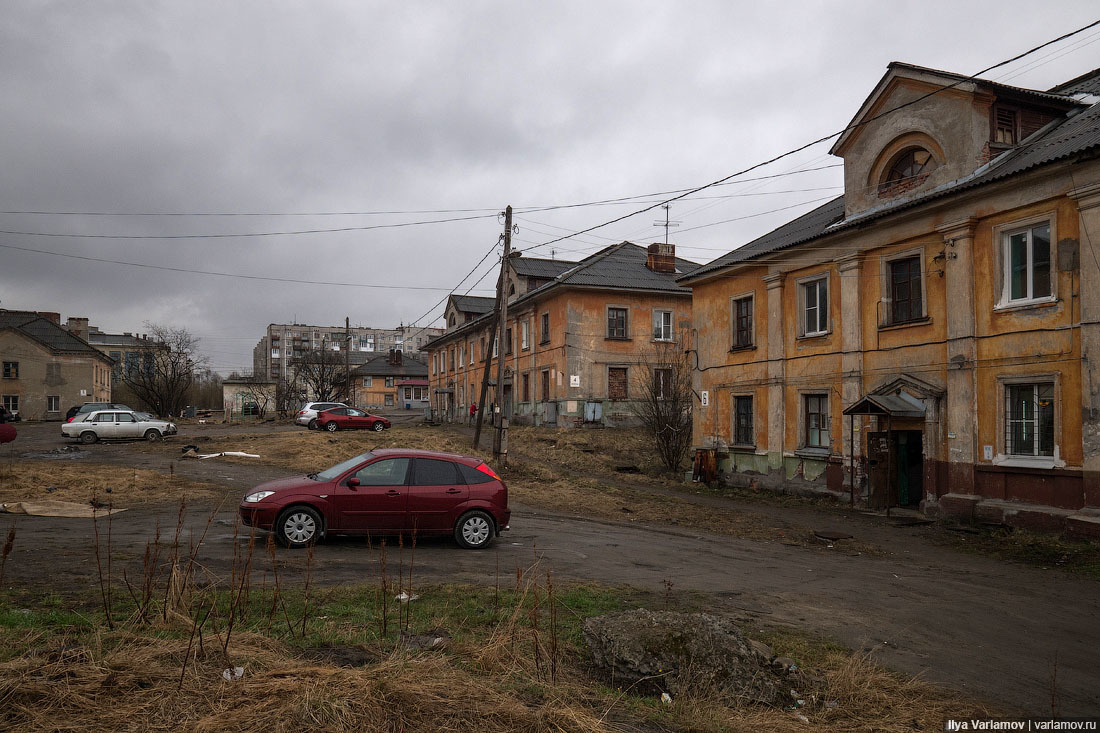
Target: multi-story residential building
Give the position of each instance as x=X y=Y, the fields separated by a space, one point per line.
x=47 y=369
x=579 y=337
x=391 y=380
x=128 y=351
x=282 y=343
x=932 y=337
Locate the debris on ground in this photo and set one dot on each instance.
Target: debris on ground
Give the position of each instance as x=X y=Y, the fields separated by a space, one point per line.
x=204 y=456
x=56 y=508
x=627 y=469
x=233 y=674
x=666 y=651
x=831 y=535
x=65 y=452
x=433 y=639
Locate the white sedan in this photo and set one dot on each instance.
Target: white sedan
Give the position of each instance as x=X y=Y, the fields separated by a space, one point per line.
x=115 y=425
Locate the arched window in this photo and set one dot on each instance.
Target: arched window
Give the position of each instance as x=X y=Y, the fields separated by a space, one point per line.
x=910 y=165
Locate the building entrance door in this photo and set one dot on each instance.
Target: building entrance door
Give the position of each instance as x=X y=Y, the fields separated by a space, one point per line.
x=895 y=467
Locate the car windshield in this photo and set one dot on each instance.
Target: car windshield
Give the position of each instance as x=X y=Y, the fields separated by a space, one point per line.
x=330 y=473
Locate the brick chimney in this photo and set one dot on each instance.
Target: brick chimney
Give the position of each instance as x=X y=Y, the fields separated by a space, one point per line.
x=50 y=316
x=662 y=258
x=77 y=327
x=397 y=357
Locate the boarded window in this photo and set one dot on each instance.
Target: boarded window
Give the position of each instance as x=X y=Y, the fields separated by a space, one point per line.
x=1006 y=128
x=545 y=385
x=616 y=383
x=526 y=387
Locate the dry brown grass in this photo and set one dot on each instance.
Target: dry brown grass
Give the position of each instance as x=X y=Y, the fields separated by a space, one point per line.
x=126 y=681
x=80 y=482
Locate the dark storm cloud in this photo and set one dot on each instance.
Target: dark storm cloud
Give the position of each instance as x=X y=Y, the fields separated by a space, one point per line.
x=328 y=106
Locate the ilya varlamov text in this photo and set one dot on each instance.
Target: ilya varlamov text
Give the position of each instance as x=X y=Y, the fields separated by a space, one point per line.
x=1023 y=725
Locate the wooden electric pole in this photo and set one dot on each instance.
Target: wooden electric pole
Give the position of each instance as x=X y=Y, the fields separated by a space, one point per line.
x=500 y=437
x=347 y=361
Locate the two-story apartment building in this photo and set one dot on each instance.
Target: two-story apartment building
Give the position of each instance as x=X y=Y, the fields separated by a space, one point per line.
x=47 y=369
x=932 y=337
x=390 y=381
x=579 y=336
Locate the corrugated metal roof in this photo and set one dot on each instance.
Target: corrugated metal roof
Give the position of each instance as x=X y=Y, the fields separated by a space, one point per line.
x=538 y=267
x=1074 y=135
x=623 y=265
x=380 y=366
x=46 y=332
x=1087 y=83
x=473 y=303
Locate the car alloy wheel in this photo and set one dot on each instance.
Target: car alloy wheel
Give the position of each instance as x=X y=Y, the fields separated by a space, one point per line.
x=331 y=427
x=298 y=527
x=474 y=530
x=312 y=424
x=379 y=426
x=152 y=435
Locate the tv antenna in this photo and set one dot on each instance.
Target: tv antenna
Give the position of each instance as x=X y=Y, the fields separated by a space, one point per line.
x=667 y=222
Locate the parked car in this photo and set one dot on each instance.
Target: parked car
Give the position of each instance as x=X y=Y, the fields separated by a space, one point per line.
x=308 y=414
x=92 y=407
x=115 y=425
x=350 y=418
x=7 y=415
x=388 y=491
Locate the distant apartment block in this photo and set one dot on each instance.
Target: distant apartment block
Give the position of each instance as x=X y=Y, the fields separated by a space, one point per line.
x=282 y=343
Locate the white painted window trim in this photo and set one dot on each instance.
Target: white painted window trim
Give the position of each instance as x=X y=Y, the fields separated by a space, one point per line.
x=1001 y=233
x=803 y=285
x=1004 y=459
x=671 y=322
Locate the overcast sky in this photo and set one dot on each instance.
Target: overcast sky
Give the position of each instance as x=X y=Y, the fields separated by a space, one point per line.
x=282 y=117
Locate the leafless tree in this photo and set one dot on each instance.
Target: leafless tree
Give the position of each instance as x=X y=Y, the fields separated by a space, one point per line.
x=206 y=390
x=663 y=405
x=167 y=370
x=321 y=372
x=258 y=392
x=288 y=394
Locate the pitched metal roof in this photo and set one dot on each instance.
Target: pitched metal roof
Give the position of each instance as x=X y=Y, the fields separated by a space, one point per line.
x=621 y=265
x=47 y=333
x=538 y=267
x=1059 y=140
x=381 y=366
x=473 y=303
x=1087 y=83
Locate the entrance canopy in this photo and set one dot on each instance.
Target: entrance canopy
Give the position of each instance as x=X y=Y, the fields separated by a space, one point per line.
x=899 y=404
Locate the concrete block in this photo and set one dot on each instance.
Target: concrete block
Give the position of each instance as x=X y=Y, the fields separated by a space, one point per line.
x=1046 y=519
x=989 y=512
x=1083 y=526
x=958 y=506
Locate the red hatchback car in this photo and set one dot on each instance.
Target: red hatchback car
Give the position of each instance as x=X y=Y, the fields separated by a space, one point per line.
x=385 y=492
x=350 y=418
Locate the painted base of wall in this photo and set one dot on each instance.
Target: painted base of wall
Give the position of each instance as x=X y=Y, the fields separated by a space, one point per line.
x=1084 y=523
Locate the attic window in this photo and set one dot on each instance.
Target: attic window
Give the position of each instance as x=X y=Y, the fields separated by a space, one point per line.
x=908 y=170
x=1005 y=126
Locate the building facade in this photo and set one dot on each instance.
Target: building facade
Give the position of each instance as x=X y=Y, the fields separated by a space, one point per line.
x=390 y=381
x=923 y=340
x=579 y=336
x=46 y=369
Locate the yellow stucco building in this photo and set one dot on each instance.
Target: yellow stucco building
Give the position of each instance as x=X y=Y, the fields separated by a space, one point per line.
x=930 y=338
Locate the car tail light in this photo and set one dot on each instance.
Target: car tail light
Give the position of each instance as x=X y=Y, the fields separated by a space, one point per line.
x=484 y=468
x=71 y=419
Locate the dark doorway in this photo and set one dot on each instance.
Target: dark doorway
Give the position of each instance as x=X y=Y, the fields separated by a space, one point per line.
x=895 y=466
x=910 y=466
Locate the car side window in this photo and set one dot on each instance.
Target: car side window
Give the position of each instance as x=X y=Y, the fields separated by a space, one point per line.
x=431 y=472
x=337 y=412
x=386 y=472
x=125 y=417
x=354 y=413
x=474 y=476
x=103 y=417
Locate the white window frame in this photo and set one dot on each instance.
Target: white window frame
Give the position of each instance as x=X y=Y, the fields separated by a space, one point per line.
x=1003 y=458
x=659 y=325
x=887 y=286
x=461 y=356
x=471 y=353
x=804 y=285
x=1002 y=235
x=525 y=334
x=53 y=403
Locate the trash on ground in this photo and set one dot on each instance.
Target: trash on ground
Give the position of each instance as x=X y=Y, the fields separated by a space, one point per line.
x=666 y=698
x=832 y=535
x=232 y=674
x=56 y=508
x=627 y=469
x=405 y=597
x=204 y=456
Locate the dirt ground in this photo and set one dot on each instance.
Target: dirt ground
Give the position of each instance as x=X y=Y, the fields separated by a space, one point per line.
x=996 y=630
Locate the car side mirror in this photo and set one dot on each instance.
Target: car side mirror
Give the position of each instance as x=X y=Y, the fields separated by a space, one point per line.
x=353 y=483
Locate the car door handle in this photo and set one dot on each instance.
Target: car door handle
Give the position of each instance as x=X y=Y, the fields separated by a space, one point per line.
x=453 y=491
x=391 y=492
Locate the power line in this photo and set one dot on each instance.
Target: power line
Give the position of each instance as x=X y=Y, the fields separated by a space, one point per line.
x=236 y=275
x=456 y=287
x=880 y=115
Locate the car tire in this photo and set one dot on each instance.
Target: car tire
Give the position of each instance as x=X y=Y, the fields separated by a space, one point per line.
x=152 y=435
x=474 y=530
x=312 y=424
x=378 y=426
x=332 y=427
x=88 y=437
x=298 y=526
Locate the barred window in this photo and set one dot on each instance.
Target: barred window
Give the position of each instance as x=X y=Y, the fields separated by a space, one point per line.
x=1029 y=419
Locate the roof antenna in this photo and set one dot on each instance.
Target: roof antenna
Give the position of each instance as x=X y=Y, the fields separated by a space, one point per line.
x=666 y=223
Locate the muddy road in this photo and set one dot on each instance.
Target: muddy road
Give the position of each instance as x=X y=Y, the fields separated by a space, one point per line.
x=989 y=628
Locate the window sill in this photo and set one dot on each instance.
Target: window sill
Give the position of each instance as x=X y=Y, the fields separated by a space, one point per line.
x=1013 y=305
x=664 y=341
x=811 y=336
x=745 y=347
x=618 y=338
x=923 y=321
x=1029 y=461
x=544 y=343
x=819 y=453
x=742 y=448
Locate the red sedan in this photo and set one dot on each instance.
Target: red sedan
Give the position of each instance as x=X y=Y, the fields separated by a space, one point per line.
x=350 y=418
x=385 y=492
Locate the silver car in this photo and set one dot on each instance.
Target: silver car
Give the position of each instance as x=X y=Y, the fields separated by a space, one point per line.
x=308 y=414
x=115 y=425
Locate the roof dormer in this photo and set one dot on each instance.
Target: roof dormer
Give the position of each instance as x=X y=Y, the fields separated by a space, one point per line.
x=922 y=128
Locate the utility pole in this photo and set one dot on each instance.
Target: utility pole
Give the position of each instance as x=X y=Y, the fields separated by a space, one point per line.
x=500 y=438
x=347 y=360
